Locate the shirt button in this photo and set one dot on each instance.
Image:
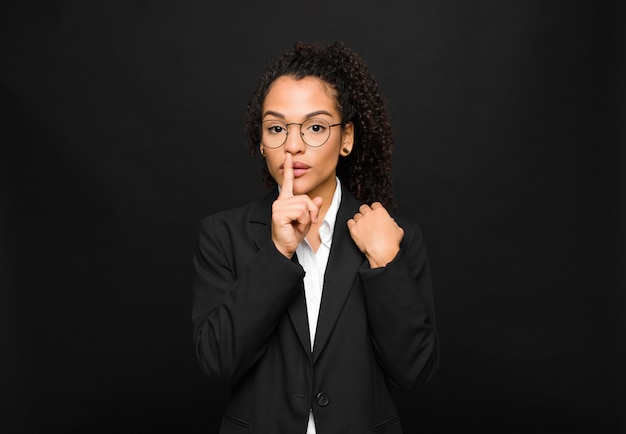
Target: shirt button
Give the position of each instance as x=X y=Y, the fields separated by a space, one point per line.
x=323 y=399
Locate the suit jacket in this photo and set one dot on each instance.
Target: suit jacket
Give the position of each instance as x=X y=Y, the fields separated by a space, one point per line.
x=376 y=327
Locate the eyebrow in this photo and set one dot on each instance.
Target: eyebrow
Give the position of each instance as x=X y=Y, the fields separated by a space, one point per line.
x=310 y=115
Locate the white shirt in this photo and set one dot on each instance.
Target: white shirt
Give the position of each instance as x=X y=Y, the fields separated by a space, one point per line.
x=314 y=264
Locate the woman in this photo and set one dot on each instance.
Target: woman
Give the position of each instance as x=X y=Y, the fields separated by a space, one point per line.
x=312 y=303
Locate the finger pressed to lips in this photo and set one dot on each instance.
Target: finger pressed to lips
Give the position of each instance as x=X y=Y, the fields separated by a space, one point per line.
x=287 y=187
x=296 y=168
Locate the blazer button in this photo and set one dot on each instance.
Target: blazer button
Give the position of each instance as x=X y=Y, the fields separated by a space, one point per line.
x=323 y=399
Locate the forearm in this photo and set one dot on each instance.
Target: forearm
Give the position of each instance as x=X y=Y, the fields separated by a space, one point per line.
x=401 y=316
x=234 y=317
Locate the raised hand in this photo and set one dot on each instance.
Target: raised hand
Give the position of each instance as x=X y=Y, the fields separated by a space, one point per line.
x=376 y=234
x=292 y=215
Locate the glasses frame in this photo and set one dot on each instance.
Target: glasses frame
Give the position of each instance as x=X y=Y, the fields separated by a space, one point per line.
x=300 y=130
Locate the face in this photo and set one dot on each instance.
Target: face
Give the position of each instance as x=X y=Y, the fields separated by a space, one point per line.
x=290 y=100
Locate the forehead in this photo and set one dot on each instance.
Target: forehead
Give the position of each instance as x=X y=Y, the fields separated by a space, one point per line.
x=289 y=92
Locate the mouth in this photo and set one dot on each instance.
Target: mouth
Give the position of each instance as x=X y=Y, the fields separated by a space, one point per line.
x=299 y=168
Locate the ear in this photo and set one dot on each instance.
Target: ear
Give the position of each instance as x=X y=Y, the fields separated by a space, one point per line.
x=347 y=139
x=261 y=150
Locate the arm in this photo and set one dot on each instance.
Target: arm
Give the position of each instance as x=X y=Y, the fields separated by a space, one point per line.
x=401 y=315
x=239 y=296
x=398 y=294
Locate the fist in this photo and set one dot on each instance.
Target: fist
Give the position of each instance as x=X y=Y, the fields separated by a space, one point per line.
x=376 y=234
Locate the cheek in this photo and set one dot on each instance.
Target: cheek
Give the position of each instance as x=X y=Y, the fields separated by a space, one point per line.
x=273 y=167
x=331 y=156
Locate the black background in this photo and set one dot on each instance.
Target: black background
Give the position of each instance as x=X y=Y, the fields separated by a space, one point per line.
x=122 y=126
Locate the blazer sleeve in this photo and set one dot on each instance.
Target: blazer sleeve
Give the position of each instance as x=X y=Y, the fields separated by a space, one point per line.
x=239 y=294
x=401 y=314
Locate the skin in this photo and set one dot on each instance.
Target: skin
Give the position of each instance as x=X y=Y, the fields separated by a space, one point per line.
x=307 y=176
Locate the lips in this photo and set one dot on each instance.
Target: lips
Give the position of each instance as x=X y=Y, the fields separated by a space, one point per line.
x=299 y=168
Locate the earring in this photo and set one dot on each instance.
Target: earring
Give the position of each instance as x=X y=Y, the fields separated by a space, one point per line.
x=346 y=151
x=262 y=152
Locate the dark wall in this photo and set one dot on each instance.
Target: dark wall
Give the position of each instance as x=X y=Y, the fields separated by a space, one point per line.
x=122 y=126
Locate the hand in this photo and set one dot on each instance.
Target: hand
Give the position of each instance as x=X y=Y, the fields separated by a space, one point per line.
x=292 y=216
x=376 y=234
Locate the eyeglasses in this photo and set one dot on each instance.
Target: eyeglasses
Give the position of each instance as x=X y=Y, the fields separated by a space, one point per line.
x=314 y=132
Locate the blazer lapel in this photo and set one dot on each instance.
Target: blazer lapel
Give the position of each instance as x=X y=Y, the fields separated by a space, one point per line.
x=343 y=263
x=299 y=318
x=261 y=219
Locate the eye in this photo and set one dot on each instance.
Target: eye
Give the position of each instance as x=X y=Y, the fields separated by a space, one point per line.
x=275 y=128
x=316 y=126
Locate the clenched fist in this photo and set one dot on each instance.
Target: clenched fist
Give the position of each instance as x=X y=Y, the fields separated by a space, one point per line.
x=376 y=234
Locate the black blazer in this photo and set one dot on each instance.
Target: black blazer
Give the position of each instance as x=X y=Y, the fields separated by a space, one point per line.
x=376 y=327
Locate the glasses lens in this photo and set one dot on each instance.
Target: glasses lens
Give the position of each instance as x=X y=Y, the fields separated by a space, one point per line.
x=315 y=132
x=274 y=133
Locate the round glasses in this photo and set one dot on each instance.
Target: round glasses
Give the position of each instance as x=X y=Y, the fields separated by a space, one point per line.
x=314 y=132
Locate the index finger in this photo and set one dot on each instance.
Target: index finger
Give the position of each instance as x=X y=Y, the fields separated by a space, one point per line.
x=286 y=190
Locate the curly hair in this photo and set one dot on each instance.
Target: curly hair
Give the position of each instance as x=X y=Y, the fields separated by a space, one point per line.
x=366 y=171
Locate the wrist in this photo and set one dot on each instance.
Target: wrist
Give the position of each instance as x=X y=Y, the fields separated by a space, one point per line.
x=382 y=259
x=282 y=250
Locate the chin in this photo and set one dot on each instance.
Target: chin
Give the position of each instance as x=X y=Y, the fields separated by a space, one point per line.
x=297 y=191
x=300 y=187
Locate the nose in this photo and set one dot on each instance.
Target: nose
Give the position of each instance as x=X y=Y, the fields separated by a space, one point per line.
x=294 y=143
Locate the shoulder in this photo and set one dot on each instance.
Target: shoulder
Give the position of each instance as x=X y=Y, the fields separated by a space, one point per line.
x=406 y=223
x=258 y=211
x=412 y=229
x=227 y=232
